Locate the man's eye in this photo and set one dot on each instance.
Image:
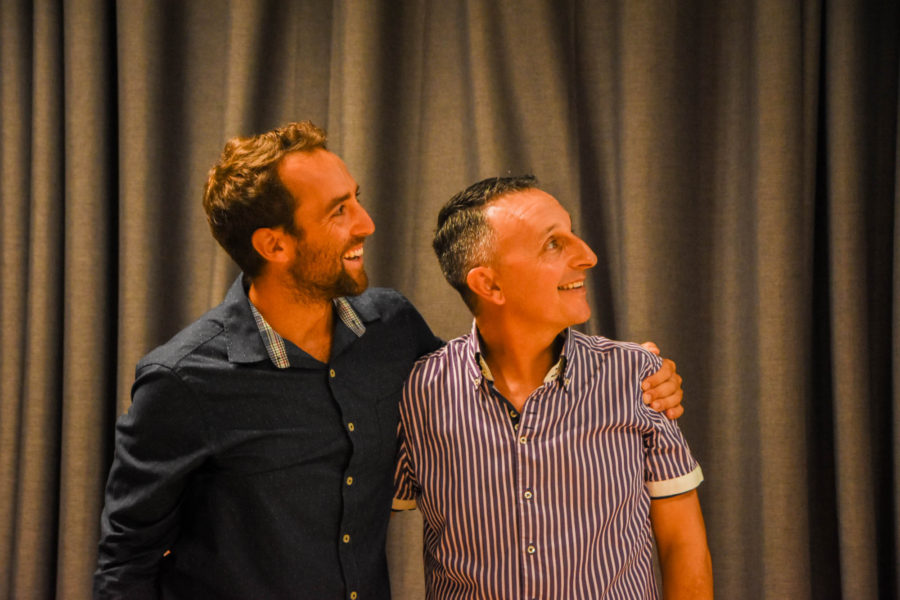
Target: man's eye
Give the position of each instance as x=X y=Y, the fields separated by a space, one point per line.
x=340 y=210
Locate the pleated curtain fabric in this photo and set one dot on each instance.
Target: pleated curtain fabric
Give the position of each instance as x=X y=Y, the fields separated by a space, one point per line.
x=733 y=164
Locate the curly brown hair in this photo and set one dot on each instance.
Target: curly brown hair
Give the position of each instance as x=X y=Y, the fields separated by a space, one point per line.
x=244 y=192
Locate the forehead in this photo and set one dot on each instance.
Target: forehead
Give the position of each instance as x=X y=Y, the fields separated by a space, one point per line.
x=526 y=213
x=317 y=174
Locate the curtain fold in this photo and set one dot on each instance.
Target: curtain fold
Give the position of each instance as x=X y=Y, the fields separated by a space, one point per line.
x=88 y=224
x=734 y=165
x=15 y=117
x=36 y=523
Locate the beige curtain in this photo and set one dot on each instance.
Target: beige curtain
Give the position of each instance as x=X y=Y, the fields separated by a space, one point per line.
x=734 y=165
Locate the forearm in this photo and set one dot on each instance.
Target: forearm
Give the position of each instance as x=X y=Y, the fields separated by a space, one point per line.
x=683 y=551
x=687 y=573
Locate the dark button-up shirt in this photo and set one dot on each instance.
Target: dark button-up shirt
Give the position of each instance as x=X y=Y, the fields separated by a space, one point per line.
x=234 y=478
x=556 y=507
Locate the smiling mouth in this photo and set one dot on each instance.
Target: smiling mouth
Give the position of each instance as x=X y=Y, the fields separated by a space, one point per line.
x=571 y=286
x=354 y=254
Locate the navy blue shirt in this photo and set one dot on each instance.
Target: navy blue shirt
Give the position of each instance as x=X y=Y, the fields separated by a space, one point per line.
x=236 y=479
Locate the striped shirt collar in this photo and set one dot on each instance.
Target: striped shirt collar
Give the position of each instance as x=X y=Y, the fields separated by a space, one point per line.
x=558 y=372
x=275 y=343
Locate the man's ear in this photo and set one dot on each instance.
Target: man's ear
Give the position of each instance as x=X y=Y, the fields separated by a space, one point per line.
x=270 y=244
x=483 y=283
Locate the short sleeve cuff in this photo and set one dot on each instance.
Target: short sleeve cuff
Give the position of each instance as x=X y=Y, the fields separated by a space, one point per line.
x=673 y=487
x=400 y=504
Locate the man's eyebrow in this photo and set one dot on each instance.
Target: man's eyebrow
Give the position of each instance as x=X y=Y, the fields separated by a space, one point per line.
x=335 y=201
x=552 y=228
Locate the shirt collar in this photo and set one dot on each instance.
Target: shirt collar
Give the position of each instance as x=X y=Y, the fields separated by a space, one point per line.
x=556 y=373
x=252 y=339
x=274 y=343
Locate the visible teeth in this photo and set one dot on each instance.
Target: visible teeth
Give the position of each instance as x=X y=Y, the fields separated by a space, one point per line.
x=572 y=286
x=357 y=253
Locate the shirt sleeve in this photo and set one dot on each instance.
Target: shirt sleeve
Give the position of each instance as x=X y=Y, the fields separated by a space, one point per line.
x=160 y=442
x=669 y=467
x=406 y=486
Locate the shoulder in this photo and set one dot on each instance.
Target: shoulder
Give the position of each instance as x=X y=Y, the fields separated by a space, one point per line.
x=203 y=337
x=394 y=319
x=389 y=306
x=385 y=303
x=440 y=379
x=619 y=352
x=450 y=359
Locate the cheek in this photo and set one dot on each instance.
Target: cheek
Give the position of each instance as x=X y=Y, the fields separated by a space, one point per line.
x=539 y=284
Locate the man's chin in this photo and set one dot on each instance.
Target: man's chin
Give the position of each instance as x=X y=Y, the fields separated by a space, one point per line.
x=581 y=317
x=353 y=286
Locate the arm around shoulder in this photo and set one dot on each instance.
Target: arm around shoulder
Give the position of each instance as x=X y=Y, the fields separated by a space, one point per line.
x=683 y=551
x=662 y=389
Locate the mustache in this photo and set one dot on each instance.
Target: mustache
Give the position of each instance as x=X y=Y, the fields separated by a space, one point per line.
x=354 y=242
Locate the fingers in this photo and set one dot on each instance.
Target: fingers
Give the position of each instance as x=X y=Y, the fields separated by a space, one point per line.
x=664 y=393
x=674 y=413
x=651 y=347
x=665 y=373
x=662 y=390
x=667 y=403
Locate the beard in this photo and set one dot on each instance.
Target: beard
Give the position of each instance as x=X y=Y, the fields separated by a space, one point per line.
x=312 y=280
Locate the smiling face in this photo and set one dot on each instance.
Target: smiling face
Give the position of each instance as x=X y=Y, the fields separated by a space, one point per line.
x=328 y=260
x=539 y=262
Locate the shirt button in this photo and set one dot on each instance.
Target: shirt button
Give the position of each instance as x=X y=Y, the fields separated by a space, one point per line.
x=523 y=439
x=349 y=481
x=331 y=372
x=346 y=538
x=513 y=414
x=531 y=549
x=528 y=494
x=351 y=426
x=353 y=596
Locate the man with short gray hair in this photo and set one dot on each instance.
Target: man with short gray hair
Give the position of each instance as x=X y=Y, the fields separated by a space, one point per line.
x=539 y=470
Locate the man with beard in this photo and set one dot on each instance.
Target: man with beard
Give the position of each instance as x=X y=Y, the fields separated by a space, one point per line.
x=256 y=459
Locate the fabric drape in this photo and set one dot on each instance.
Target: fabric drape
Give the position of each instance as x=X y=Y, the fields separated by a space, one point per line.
x=733 y=164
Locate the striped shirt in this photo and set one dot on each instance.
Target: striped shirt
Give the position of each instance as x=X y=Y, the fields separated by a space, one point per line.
x=557 y=507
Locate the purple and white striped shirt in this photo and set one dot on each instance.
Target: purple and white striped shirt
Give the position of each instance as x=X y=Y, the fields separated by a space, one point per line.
x=556 y=508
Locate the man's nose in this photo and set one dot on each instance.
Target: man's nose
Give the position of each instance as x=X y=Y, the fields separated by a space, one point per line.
x=584 y=256
x=363 y=224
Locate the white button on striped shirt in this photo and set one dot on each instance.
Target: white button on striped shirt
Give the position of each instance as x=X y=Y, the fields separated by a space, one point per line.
x=557 y=509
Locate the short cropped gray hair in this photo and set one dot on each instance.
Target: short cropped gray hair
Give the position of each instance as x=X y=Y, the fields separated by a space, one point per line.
x=464 y=239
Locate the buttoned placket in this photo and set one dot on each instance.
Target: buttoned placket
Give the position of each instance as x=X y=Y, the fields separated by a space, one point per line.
x=527 y=443
x=275 y=347
x=346 y=547
x=526 y=440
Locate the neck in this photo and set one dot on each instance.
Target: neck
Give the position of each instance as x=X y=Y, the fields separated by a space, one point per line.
x=518 y=357
x=307 y=323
